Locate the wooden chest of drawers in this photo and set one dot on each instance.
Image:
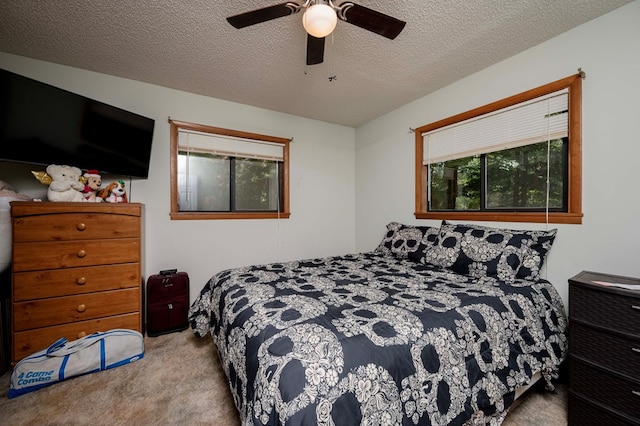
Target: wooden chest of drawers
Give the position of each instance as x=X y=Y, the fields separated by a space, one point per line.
x=604 y=350
x=76 y=270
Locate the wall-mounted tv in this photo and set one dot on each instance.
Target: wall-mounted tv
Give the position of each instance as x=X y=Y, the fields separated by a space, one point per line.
x=42 y=124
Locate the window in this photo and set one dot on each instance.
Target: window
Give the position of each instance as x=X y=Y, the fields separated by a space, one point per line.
x=518 y=159
x=227 y=174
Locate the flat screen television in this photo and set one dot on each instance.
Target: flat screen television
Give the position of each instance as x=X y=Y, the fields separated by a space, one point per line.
x=42 y=124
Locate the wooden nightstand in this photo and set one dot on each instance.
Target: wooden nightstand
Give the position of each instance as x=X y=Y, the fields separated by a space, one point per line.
x=604 y=350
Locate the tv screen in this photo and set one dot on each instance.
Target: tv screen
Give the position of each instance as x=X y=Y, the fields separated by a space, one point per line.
x=42 y=124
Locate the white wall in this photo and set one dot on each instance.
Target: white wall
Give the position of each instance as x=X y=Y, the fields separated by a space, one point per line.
x=607 y=50
x=322 y=178
x=329 y=198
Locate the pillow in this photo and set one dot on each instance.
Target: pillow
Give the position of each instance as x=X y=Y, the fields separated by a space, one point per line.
x=536 y=254
x=482 y=251
x=428 y=240
x=402 y=240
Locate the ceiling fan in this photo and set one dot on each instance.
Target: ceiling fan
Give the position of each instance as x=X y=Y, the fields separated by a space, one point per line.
x=319 y=20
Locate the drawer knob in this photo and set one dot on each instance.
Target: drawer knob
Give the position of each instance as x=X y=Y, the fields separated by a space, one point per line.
x=81 y=334
x=81 y=281
x=81 y=226
x=81 y=253
x=81 y=308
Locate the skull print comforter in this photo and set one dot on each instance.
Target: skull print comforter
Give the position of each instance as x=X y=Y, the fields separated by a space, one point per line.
x=372 y=339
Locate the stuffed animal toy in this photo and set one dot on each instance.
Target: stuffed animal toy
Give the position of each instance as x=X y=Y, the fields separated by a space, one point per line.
x=65 y=183
x=7 y=195
x=115 y=192
x=93 y=182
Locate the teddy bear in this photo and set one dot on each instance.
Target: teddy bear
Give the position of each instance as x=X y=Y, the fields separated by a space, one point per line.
x=65 y=183
x=115 y=192
x=93 y=182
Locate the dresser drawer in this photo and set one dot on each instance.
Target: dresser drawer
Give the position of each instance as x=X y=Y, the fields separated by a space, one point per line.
x=604 y=309
x=619 y=395
x=27 y=342
x=69 y=254
x=64 y=282
x=75 y=226
x=62 y=310
x=605 y=349
x=583 y=413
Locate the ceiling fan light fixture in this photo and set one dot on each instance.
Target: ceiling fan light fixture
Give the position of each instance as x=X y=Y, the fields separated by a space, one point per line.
x=319 y=20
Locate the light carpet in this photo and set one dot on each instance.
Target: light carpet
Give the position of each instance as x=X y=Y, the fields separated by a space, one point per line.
x=180 y=381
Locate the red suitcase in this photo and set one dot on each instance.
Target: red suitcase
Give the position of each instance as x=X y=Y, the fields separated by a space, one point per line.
x=167 y=302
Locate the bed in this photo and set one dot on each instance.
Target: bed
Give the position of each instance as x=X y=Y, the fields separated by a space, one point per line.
x=435 y=326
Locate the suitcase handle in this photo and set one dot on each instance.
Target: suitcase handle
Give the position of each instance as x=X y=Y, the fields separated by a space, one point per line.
x=168 y=271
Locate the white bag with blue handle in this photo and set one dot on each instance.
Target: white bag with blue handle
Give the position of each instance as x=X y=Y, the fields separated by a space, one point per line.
x=63 y=359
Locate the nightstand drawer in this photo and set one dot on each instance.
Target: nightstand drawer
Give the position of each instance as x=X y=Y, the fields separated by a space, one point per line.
x=604 y=309
x=27 y=342
x=619 y=395
x=66 y=282
x=70 y=254
x=62 y=310
x=75 y=226
x=608 y=350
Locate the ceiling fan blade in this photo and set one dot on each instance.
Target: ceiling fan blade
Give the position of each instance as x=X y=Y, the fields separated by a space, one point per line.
x=262 y=15
x=315 y=50
x=371 y=20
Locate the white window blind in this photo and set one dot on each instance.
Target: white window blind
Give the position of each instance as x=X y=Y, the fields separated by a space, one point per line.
x=537 y=120
x=191 y=141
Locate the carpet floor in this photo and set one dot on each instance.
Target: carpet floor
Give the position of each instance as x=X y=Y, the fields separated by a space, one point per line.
x=180 y=381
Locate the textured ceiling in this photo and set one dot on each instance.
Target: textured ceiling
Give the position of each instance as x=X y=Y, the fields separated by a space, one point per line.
x=188 y=45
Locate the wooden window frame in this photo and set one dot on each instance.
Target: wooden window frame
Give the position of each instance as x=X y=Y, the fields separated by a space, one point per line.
x=574 y=206
x=176 y=214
